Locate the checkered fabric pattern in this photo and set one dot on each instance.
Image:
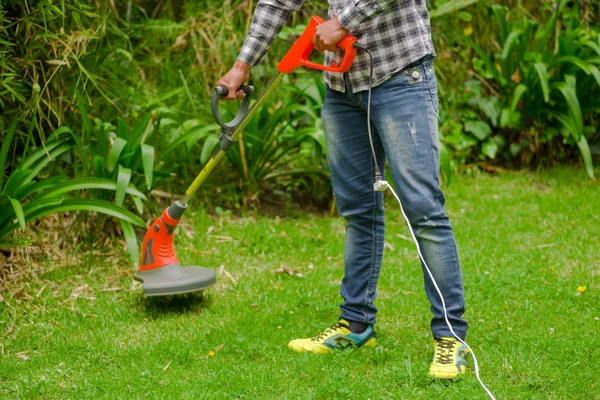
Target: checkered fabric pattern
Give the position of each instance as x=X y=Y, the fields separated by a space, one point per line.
x=397 y=33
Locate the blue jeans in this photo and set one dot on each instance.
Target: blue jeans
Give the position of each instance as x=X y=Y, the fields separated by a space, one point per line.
x=404 y=115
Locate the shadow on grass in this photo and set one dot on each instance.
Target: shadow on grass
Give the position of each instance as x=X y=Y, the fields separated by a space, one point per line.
x=159 y=306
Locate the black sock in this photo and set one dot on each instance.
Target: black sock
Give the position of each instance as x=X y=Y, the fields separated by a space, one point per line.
x=357 y=327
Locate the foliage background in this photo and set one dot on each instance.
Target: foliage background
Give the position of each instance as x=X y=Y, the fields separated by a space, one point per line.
x=127 y=85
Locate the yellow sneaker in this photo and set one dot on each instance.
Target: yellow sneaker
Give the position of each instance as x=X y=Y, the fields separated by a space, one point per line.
x=337 y=336
x=449 y=358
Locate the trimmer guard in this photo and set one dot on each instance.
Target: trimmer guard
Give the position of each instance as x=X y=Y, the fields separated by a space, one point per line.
x=175 y=279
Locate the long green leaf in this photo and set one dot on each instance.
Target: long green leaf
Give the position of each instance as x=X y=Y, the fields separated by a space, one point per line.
x=574 y=108
x=45 y=161
x=595 y=73
x=69 y=205
x=508 y=43
x=593 y=45
x=572 y=60
x=137 y=201
x=209 y=145
x=115 y=153
x=39 y=153
x=18 y=208
x=87 y=184
x=148 y=163
x=582 y=144
x=519 y=91
x=37 y=187
x=56 y=134
x=100 y=206
x=4 y=149
x=542 y=73
x=15 y=181
x=499 y=12
x=132 y=242
x=123 y=179
x=586 y=154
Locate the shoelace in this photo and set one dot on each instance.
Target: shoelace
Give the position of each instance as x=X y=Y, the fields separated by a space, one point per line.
x=445 y=351
x=326 y=332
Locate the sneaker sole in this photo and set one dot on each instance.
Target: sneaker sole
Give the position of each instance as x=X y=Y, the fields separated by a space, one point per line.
x=324 y=350
x=446 y=375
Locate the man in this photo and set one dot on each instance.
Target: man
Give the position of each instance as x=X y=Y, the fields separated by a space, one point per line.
x=404 y=115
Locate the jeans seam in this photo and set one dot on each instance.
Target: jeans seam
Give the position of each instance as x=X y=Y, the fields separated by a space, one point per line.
x=373 y=246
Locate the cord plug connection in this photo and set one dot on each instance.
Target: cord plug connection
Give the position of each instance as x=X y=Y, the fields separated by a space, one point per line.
x=380 y=185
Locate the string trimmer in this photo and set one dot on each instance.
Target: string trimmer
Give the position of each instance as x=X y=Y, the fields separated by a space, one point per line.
x=159 y=270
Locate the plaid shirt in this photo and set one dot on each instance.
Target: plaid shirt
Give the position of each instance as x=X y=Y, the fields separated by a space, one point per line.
x=398 y=33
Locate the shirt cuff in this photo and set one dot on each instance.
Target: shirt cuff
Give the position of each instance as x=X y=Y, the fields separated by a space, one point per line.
x=253 y=50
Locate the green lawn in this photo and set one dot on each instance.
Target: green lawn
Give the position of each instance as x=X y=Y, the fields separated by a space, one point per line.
x=526 y=242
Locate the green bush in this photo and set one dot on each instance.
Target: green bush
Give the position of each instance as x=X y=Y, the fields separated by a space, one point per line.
x=536 y=92
x=27 y=194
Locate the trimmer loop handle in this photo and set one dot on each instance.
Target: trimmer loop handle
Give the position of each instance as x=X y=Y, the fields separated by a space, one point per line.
x=297 y=55
x=221 y=91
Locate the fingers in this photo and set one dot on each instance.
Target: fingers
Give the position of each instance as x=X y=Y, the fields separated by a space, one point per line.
x=328 y=34
x=318 y=43
x=233 y=91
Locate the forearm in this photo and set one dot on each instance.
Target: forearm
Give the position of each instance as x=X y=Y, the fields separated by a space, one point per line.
x=363 y=10
x=269 y=18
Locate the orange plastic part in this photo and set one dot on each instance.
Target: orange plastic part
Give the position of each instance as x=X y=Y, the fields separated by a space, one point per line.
x=297 y=55
x=157 y=248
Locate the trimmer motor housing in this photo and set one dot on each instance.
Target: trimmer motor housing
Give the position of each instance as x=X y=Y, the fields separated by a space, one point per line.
x=159 y=270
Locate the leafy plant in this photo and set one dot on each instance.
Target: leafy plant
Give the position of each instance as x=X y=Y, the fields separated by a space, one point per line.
x=541 y=82
x=27 y=195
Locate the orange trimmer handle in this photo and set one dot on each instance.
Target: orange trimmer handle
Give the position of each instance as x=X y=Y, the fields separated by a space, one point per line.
x=298 y=54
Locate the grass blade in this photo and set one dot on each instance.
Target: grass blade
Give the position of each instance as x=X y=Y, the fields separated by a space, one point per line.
x=14 y=242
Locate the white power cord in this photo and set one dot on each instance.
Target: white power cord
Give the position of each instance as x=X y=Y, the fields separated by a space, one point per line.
x=384 y=184
x=380 y=186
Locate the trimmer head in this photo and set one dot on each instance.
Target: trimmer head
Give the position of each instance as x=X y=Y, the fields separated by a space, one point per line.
x=160 y=271
x=175 y=279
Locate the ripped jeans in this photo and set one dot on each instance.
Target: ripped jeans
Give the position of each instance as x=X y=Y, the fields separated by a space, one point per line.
x=404 y=115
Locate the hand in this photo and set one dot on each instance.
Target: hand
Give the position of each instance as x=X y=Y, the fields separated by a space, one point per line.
x=234 y=78
x=328 y=34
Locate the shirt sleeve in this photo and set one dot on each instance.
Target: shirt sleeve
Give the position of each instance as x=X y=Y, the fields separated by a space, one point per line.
x=360 y=11
x=269 y=18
